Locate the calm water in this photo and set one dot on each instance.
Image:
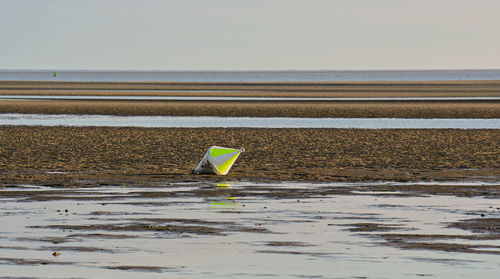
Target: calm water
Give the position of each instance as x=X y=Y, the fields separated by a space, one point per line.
x=243 y=122
x=252 y=76
x=202 y=98
x=116 y=232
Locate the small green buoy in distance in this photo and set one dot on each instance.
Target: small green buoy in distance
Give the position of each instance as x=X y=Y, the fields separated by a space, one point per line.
x=55 y=74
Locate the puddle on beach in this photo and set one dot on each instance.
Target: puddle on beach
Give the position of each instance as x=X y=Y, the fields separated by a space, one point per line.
x=243 y=230
x=243 y=122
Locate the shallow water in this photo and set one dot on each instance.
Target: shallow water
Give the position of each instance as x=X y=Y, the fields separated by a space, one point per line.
x=252 y=76
x=233 y=229
x=201 y=98
x=243 y=122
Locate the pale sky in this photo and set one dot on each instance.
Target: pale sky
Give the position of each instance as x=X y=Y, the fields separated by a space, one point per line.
x=249 y=34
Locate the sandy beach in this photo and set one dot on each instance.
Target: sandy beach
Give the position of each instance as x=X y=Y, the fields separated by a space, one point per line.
x=317 y=108
x=259 y=109
x=313 y=154
x=89 y=194
x=33 y=154
x=257 y=89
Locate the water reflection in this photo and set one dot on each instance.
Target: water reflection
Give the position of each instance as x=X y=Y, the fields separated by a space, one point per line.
x=224 y=202
x=145 y=232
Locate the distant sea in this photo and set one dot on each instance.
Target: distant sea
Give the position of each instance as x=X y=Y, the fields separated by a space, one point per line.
x=251 y=76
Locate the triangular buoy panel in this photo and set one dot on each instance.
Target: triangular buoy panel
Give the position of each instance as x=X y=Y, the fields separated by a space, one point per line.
x=218 y=160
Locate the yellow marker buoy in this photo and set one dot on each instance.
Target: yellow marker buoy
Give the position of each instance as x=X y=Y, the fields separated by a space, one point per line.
x=218 y=160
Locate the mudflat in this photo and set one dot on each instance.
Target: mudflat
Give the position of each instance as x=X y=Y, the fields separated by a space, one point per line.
x=297 y=108
x=257 y=89
x=152 y=166
x=61 y=155
x=259 y=109
x=69 y=156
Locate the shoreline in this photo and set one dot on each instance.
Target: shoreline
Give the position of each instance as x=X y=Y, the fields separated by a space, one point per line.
x=72 y=164
x=257 y=89
x=422 y=154
x=316 y=109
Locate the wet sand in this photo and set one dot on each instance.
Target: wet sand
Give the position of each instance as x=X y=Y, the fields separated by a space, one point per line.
x=65 y=156
x=397 y=109
x=260 y=109
x=257 y=89
x=109 y=200
x=253 y=228
x=74 y=156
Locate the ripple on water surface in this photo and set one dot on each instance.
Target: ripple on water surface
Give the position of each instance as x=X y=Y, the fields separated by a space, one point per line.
x=244 y=229
x=243 y=122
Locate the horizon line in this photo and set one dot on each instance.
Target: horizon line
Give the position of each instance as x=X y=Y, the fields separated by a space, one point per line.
x=254 y=70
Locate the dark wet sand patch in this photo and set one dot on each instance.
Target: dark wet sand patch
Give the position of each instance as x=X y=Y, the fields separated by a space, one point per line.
x=57 y=194
x=59 y=248
x=146 y=203
x=116 y=213
x=447 y=247
x=484 y=229
x=429 y=237
x=159 y=227
x=183 y=221
x=451 y=262
x=366 y=216
x=490 y=226
x=77 y=249
x=131 y=227
x=76 y=198
x=288 y=244
x=101 y=236
x=487 y=191
x=313 y=254
x=23 y=261
x=140 y=268
x=372 y=227
x=54 y=240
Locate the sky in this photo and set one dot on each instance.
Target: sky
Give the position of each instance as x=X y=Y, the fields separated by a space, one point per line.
x=249 y=34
